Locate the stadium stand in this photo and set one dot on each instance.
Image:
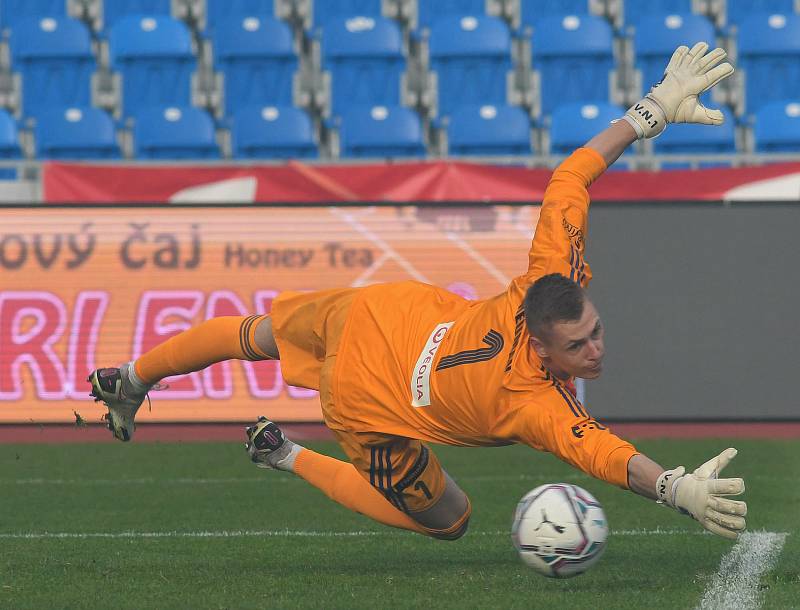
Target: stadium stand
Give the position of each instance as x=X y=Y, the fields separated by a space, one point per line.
x=364 y=62
x=380 y=131
x=76 y=133
x=574 y=57
x=470 y=57
x=657 y=37
x=635 y=10
x=737 y=10
x=114 y=10
x=54 y=58
x=769 y=57
x=14 y=11
x=220 y=10
x=489 y=130
x=174 y=133
x=572 y=125
x=777 y=127
x=256 y=62
x=273 y=132
x=155 y=59
x=430 y=11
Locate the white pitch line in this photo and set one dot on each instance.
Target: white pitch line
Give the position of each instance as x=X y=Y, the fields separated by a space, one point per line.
x=735 y=585
x=289 y=534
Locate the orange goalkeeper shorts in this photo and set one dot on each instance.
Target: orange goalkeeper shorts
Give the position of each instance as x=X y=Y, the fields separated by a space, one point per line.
x=308 y=328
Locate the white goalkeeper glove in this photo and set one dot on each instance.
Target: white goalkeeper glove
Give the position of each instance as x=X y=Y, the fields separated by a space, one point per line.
x=675 y=98
x=700 y=495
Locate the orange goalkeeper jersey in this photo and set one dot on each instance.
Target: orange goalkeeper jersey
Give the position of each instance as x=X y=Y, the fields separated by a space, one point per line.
x=420 y=362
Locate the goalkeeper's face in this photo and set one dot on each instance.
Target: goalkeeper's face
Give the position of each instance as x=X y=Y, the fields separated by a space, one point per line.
x=574 y=348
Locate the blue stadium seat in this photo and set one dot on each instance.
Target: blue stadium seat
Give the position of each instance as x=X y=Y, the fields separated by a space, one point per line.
x=769 y=57
x=738 y=10
x=365 y=58
x=155 y=59
x=635 y=10
x=9 y=145
x=572 y=125
x=471 y=57
x=9 y=138
x=114 y=10
x=658 y=36
x=174 y=133
x=219 y=10
x=273 y=132
x=489 y=131
x=12 y=11
x=777 y=127
x=75 y=133
x=430 y=11
x=574 y=56
x=532 y=11
x=256 y=57
x=325 y=11
x=55 y=60
x=381 y=131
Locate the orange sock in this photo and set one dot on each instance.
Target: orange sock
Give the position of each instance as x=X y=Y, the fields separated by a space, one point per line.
x=215 y=340
x=342 y=483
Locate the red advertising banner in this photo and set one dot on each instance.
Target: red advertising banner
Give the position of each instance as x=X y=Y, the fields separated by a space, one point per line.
x=397 y=182
x=88 y=287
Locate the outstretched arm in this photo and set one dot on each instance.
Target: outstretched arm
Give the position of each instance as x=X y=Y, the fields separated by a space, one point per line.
x=612 y=141
x=673 y=100
x=701 y=494
x=559 y=424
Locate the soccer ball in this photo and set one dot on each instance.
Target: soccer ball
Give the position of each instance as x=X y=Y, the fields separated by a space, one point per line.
x=559 y=530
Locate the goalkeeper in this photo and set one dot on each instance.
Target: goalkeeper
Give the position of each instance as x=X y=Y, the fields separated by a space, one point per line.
x=402 y=365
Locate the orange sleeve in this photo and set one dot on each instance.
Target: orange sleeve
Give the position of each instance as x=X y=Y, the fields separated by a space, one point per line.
x=558 y=423
x=560 y=239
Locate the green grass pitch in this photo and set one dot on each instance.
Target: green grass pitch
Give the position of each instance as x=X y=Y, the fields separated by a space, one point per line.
x=205 y=529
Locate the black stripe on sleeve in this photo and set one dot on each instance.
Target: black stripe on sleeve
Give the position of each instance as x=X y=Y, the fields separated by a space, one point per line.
x=567 y=400
x=372 y=466
x=244 y=338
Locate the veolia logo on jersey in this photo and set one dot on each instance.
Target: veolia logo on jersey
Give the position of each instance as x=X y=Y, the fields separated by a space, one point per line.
x=421 y=379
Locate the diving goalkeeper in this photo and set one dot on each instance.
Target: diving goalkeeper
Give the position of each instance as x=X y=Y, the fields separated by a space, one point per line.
x=402 y=365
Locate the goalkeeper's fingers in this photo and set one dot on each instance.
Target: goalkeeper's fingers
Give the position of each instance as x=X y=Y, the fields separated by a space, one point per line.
x=731 y=522
x=712 y=77
x=721 y=529
x=677 y=58
x=697 y=113
x=696 y=53
x=725 y=487
x=730 y=507
x=712 y=468
x=709 y=60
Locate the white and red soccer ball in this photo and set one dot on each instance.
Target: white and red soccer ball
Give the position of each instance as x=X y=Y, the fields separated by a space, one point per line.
x=559 y=530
